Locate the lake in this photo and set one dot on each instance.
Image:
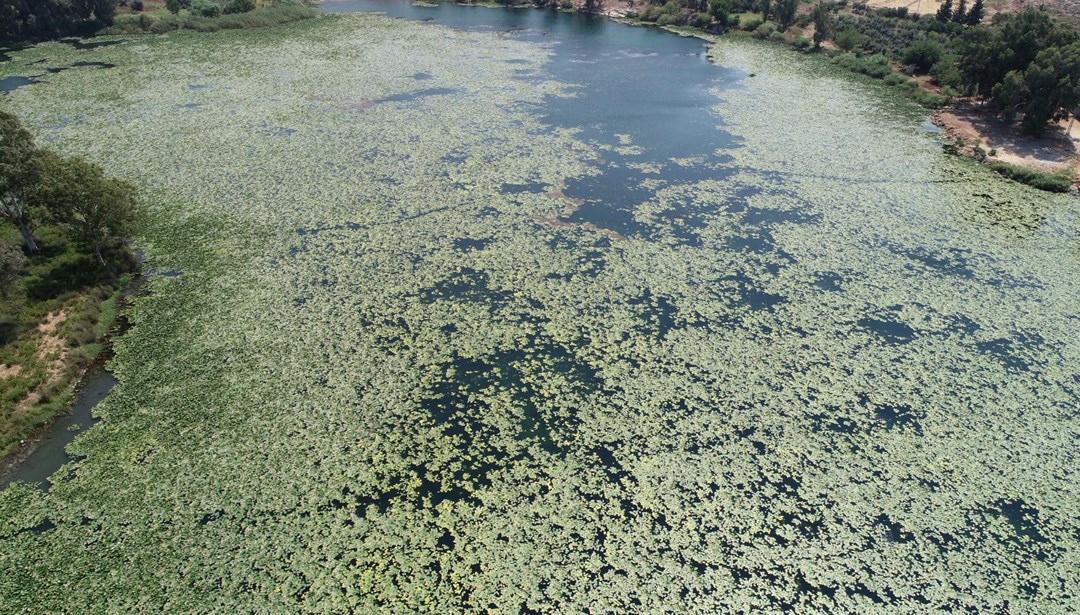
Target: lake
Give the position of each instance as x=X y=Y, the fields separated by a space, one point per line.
x=521 y=311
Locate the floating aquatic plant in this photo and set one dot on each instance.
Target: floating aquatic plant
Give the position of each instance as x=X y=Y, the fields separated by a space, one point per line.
x=835 y=371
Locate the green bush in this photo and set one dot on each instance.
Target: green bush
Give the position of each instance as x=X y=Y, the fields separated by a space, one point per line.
x=765 y=30
x=239 y=6
x=1036 y=179
x=923 y=55
x=848 y=39
x=205 y=8
x=873 y=65
x=800 y=42
x=930 y=99
x=895 y=79
x=137 y=5
x=946 y=73
x=752 y=24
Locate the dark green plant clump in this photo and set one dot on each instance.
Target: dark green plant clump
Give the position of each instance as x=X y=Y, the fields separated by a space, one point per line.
x=1050 y=182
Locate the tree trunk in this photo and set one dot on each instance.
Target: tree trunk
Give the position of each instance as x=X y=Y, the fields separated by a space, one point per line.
x=28 y=239
x=97 y=251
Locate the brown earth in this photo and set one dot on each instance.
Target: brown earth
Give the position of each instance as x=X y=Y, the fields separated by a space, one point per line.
x=971 y=124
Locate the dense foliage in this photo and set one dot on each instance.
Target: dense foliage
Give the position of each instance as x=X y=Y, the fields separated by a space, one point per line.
x=1026 y=63
x=211 y=16
x=38 y=186
x=22 y=20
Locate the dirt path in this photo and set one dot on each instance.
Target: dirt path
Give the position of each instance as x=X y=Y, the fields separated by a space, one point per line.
x=53 y=350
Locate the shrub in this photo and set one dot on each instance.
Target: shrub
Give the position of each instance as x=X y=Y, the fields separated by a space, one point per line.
x=800 y=42
x=848 y=39
x=929 y=99
x=946 y=73
x=702 y=20
x=137 y=5
x=765 y=30
x=776 y=37
x=751 y=24
x=205 y=8
x=895 y=79
x=923 y=55
x=1036 y=179
x=239 y=6
x=649 y=13
x=873 y=65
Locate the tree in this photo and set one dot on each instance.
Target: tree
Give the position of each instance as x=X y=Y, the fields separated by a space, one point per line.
x=785 y=12
x=960 y=14
x=1053 y=85
x=12 y=262
x=173 y=6
x=976 y=14
x=1009 y=95
x=822 y=24
x=944 y=12
x=848 y=39
x=721 y=11
x=923 y=54
x=1026 y=63
x=95 y=209
x=766 y=9
x=19 y=175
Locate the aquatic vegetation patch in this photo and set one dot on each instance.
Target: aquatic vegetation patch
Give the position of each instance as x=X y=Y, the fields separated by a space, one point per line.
x=432 y=354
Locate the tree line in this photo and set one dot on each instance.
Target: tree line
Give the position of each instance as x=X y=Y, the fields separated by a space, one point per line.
x=39 y=187
x=1025 y=64
x=22 y=20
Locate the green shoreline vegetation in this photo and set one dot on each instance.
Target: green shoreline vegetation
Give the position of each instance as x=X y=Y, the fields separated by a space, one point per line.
x=23 y=21
x=63 y=268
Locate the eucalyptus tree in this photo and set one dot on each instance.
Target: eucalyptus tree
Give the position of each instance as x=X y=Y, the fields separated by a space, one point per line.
x=19 y=176
x=95 y=209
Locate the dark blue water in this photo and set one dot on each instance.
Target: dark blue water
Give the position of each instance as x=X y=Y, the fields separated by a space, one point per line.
x=644 y=83
x=10 y=84
x=51 y=451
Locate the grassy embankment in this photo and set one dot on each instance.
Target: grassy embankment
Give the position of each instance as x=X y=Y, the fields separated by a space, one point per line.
x=53 y=326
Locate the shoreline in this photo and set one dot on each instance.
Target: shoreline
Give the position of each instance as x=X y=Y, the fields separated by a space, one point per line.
x=13 y=462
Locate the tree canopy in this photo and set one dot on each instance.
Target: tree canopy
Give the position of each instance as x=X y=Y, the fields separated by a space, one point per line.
x=22 y=20
x=1026 y=63
x=39 y=186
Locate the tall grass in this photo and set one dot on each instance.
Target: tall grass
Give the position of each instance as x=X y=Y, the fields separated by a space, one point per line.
x=1050 y=182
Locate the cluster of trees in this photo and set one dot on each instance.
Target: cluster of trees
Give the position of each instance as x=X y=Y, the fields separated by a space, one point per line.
x=1025 y=63
x=210 y=8
x=38 y=187
x=961 y=14
x=22 y=20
